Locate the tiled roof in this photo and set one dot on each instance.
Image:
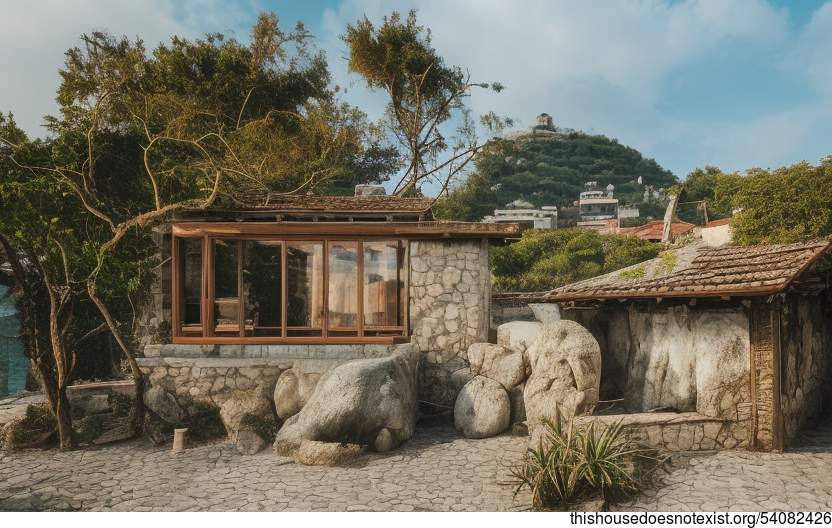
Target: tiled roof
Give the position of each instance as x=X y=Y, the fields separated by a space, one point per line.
x=711 y=272
x=717 y=223
x=293 y=203
x=653 y=230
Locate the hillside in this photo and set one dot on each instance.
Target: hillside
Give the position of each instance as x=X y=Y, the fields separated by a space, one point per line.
x=549 y=168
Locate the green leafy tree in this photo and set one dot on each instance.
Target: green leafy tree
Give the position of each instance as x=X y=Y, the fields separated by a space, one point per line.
x=790 y=204
x=141 y=137
x=545 y=259
x=425 y=93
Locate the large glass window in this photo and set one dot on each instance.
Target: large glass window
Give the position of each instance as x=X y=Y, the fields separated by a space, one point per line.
x=383 y=287
x=263 y=288
x=190 y=273
x=277 y=290
x=306 y=293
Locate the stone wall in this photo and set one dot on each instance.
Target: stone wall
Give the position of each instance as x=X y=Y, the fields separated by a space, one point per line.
x=804 y=349
x=216 y=380
x=450 y=294
x=677 y=432
x=676 y=357
x=153 y=322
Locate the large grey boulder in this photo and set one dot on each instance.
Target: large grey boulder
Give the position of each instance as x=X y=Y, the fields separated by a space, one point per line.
x=164 y=406
x=482 y=408
x=356 y=402
x=519 y=336
x=546 y=312
x=566 y=372
x=496 y=362
x=233 y=410
x=293 y=390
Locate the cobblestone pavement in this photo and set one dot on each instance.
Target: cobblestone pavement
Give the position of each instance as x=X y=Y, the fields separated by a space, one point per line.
x=798 y=480
x=436 y=470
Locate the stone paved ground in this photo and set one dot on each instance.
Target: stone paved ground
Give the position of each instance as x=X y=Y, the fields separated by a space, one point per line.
x=436 y=470
x=798 y=480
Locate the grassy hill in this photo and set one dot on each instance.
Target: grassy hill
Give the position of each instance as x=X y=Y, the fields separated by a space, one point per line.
x=548 y=168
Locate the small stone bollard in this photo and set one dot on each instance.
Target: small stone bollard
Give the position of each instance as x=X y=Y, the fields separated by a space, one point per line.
x=179 y=440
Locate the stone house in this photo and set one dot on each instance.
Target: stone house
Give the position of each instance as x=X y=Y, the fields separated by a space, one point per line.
x=306 y=283
x=709 y=347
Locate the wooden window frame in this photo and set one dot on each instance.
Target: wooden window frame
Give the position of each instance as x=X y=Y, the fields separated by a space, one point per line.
x=398 y=334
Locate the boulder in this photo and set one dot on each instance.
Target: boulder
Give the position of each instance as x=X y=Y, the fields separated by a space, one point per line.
x=519 y=336
x=566 y=372
x=312 y=453
x=482 y=408
x=497 y=362
x=249 y=442
x=518 y=406
x=293 y=390
x=233 y=410
x=164 y=406
x=355 y=402
x=546 y=312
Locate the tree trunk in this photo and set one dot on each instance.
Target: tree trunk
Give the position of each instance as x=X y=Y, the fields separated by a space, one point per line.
x=63 y=415
x=137 y=411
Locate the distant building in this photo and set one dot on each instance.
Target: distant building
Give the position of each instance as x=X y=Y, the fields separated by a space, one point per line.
x=544 y=218
x=370 y=190
x=597 y=208
x=544 y=122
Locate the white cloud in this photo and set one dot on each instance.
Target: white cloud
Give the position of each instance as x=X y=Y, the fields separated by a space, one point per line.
x=36 y=33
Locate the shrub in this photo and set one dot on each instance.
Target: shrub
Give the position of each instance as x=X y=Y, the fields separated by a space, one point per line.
x=89 y=428
x=206 y=424
x=568 y=465
x=545 y=259
x=36 y=428
x=266 y=428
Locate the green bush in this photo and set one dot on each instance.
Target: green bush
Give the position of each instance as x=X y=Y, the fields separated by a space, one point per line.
x=89 y=428
x=266 y=428
x=36 y=428
x=568 y=465
x=206 y=424
x=545 y=259
x=120 y=404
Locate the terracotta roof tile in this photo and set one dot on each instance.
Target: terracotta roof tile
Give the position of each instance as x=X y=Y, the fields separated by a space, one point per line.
x=743 y=271
x=293 y=203
x=653 y=230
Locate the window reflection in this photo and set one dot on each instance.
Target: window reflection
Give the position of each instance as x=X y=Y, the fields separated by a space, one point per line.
x=226 y=288
x=305 y=286
x=262 y=287
x=191 y=273
x=381 y=283
x=343 y=285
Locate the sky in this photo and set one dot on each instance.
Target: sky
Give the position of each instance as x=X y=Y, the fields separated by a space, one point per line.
x=734 y=84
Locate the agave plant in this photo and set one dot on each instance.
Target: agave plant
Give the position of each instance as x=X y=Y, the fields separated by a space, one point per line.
x=568 y=464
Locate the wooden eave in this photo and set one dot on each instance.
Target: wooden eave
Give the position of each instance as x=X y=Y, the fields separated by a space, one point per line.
x=351 y=229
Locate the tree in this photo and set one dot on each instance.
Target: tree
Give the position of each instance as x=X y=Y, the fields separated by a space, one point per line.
x=34 y=239
x=141 y=138
x=546 y=259
x=790 y=204
x=397 y=57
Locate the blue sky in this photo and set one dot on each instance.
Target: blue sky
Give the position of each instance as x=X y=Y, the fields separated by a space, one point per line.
x=731 y=83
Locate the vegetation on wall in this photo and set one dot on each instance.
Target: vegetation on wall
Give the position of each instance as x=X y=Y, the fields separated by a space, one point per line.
x=545 y=259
